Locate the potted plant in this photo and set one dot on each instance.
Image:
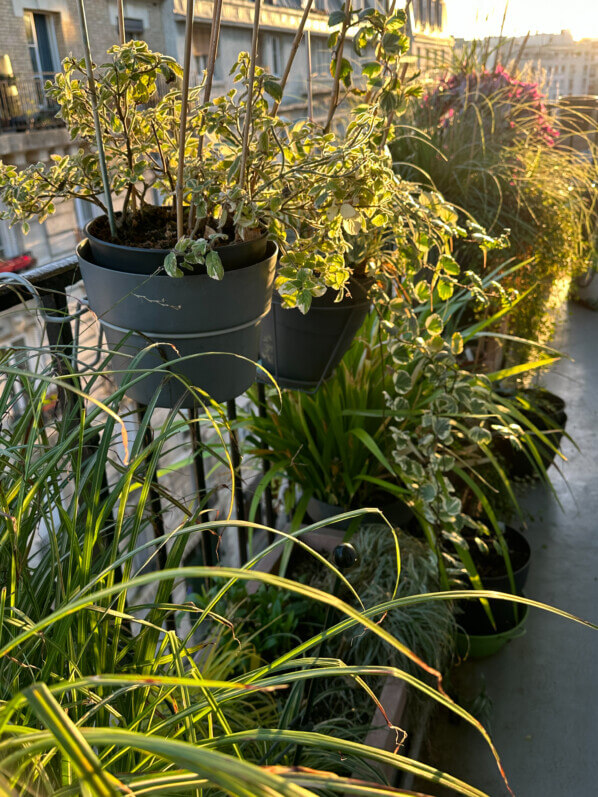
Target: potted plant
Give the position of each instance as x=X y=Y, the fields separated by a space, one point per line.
x=183 y=285
x=334 y=446
x=302 y=351
x=499 y=562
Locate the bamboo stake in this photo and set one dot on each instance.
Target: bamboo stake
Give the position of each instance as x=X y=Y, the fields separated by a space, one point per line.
x=213 y=50
x=96 y=118
x=249 y=102
x=183 y=121
x=293 y=53
x=339 y=60
x=310 y=93
x=121 y=21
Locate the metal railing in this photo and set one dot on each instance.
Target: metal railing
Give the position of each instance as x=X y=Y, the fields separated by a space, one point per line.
x=49 y=285
x=24 y=105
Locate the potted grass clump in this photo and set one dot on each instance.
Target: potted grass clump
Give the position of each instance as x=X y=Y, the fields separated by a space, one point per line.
x=334 y=447
x=181 y=285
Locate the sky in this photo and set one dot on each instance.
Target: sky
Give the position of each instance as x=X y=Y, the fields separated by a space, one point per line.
x=479 y=18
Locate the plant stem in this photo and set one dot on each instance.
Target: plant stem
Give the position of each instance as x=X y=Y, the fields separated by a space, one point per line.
x=96 y=119
x=121 y=21
x=183 y=120
x=338 y=65
x=293 y=53
x=249 y=101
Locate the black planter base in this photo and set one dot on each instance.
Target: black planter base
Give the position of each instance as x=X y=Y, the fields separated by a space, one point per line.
x=302 y=351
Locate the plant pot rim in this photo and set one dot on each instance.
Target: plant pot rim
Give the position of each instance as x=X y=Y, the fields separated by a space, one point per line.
x=365 y=283
x=520 y=535
x=154 y=251
x=495 y=635
x=271 y=250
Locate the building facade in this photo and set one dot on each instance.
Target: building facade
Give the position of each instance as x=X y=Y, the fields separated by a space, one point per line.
x=565 y=66
x=431 y=46
x=35 y=35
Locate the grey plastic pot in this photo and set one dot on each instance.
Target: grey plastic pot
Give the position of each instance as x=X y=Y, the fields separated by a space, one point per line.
x=215 y=324
x=140 y=260
x=302 y=351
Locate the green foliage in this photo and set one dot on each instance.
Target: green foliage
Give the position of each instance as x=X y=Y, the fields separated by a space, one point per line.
x=488 y=146
x=98 y=691
x=334 y=444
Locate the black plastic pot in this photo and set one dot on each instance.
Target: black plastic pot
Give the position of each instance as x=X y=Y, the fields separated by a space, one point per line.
x=474 y=619
x=518 y=546
x=139 y=260
x=396 y=512
x=215 y=323
x=302 y=351
x=487 y=641
x=551 y=420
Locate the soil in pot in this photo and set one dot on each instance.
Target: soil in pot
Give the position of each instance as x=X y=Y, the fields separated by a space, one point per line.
x=147 y=238
x=492 y=568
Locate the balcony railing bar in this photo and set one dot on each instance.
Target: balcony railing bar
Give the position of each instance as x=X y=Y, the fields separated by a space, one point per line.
x=24 y=105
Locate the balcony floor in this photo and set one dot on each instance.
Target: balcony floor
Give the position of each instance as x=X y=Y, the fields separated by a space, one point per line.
x=543 y=686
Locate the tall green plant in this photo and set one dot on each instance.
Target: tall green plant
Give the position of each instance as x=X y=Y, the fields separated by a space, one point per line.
x=98 y=696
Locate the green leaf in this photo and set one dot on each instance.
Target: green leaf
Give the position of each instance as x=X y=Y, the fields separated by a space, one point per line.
x=457 y=343
x=171 y=266
x=479 y=435
x=422 y=291
x=336 y=18
x=449 y=265
x=402 y=381
x=71 y=741
x=445 y=288
x=214 y=265
x=434 y=324
x=371 y=69
x=273 y=88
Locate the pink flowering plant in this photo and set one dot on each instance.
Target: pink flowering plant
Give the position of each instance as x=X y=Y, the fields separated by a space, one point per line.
x=515 y=106
x=490 y=143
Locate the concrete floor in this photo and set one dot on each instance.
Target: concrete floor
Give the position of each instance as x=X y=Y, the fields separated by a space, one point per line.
x=544 y=686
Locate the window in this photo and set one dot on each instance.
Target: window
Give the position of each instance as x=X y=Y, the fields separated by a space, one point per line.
x=273 y=53
x=43 y=50
x=9 y=244
x=439 y=14
x=320 y=56
x=133 y=29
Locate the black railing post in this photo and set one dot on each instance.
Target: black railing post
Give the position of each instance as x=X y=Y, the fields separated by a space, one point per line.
x=200 y=481
x=157 y=518
x=269 y=504
x=239 y=494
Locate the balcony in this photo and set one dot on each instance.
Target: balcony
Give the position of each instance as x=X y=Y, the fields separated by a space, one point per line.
x=24 y=106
